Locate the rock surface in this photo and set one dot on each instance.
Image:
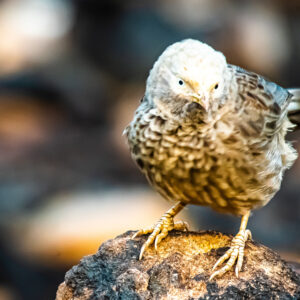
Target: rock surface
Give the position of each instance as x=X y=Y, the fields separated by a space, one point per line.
x=180 y=270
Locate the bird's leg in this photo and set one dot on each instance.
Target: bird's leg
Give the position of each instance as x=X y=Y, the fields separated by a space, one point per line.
x=236 y=251
x=162 y=227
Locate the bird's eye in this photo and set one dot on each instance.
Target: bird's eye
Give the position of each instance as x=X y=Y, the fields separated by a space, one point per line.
x=180 y=82
x=216 y=86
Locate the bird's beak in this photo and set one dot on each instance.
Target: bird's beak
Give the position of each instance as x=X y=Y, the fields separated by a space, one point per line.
x=202 y=100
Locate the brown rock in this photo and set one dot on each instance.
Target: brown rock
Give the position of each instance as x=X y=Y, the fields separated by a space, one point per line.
x=180 y=270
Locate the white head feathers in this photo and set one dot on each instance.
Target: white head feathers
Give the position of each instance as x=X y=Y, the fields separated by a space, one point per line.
x=189 y=79
x=190 y=60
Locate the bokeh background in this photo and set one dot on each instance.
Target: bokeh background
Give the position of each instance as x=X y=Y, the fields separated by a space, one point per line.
x=71 y=75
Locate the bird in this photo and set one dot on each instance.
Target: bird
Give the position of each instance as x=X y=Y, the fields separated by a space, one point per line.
x=213 y=134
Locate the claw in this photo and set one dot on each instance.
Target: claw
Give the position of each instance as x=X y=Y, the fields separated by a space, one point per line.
x=135 y=235
x=240 y=260
x=142 y=251
x=180 y=225
x=143 y=231
x=161 y=229
x=248 y=235
x=237 y=270
x=236 y=252
x=159 y=232
x=222 y=258
x=160 y=236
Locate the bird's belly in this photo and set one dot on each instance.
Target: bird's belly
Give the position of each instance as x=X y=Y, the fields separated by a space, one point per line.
x=232 y=184
x=200 y=168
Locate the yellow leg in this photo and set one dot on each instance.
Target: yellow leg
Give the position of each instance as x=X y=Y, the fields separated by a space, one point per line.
x=236 y=251
x=162 y=227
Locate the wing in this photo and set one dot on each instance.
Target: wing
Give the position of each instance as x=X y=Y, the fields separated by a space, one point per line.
x=265 y=103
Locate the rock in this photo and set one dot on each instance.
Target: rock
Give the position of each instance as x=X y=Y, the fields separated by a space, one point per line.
x=180 y=270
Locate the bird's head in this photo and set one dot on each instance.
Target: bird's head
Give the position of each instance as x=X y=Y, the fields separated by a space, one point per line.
x=188 y=80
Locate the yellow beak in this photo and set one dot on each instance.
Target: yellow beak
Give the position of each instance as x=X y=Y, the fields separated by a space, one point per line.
x=202 y=101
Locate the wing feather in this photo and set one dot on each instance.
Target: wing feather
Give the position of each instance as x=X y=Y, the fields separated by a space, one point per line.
x=269 y=94
x=265 y=102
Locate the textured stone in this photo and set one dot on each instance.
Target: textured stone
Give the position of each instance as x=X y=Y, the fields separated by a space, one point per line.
x=180 y=270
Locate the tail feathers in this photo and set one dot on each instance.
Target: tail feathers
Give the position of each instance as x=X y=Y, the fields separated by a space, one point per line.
x=294 y=107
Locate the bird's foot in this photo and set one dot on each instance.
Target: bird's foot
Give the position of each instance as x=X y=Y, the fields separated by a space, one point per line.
x=159 y=231
x=236 y=252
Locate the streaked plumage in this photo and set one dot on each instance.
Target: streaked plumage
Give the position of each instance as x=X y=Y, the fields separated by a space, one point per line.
x=210 y=133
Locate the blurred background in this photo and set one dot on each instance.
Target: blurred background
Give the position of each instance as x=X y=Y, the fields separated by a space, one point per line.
x=72 y=73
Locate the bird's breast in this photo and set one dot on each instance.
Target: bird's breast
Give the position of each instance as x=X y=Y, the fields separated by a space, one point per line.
x=204 y=166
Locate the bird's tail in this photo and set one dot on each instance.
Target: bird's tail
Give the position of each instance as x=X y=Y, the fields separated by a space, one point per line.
x=294 y=107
